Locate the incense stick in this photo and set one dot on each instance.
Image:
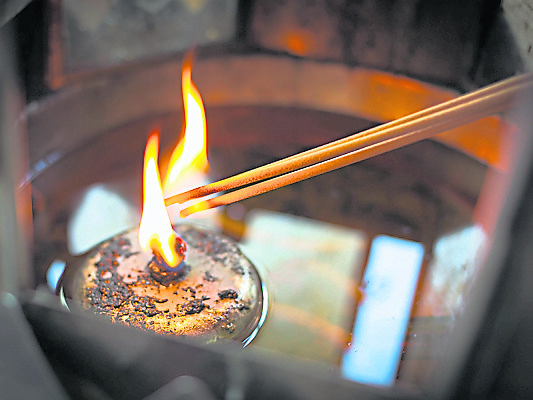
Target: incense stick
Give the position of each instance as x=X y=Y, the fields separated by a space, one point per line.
x=358 y=147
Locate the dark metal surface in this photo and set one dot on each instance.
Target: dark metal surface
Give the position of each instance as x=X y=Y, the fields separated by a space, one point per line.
x=24 y=371
x=184 y=387
x=99 y=360
x=15 y=197
x=10 y=8
x=491 y=353
x=88 y=37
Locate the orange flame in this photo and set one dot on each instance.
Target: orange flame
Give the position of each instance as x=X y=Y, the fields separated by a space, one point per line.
x=155 y=230
x=190 y=154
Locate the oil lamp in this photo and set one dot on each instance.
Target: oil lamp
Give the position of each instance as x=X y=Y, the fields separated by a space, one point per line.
x=174 y=280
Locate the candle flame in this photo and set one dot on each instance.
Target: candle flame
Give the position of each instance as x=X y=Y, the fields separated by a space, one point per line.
x=190 y=155
x=155 y=230
x=191 y=152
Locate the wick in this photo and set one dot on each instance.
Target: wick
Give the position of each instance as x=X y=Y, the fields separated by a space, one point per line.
x=181 y=248
x=161 y=263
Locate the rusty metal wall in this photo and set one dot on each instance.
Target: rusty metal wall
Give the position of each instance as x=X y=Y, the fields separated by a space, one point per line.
x=454 y=43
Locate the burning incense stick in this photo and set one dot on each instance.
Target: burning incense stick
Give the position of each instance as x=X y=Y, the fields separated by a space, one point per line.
x=358 y=147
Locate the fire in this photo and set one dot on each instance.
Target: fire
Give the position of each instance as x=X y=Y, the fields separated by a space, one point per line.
x=190 y=155
x=155 y=231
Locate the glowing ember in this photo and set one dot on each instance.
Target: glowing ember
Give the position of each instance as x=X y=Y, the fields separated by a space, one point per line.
x=155 y=231
x=190 y=155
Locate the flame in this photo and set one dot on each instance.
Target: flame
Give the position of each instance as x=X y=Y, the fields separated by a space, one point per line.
x=155 y=230
x=191 y=152
x=190 y=155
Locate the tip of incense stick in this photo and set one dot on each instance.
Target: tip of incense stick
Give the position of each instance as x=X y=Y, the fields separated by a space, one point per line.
x=191 y=194
x=201 y=206
x=176 y=199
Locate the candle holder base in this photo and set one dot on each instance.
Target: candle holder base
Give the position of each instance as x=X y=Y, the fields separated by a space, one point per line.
x=217 y=294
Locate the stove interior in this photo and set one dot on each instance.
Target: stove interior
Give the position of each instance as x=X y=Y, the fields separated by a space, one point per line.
x=318 y=244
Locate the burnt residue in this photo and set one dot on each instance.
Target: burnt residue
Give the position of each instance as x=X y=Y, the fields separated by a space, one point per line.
x=145 y=304
x=150 y=297
x=213 y=246
x=109 y=291
x=219 y=249
x=164 y=276
x=208 y=277
x=191 y=307
x=228 y=294
x=238 y=269
x=189 y=289
x=109 y=294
